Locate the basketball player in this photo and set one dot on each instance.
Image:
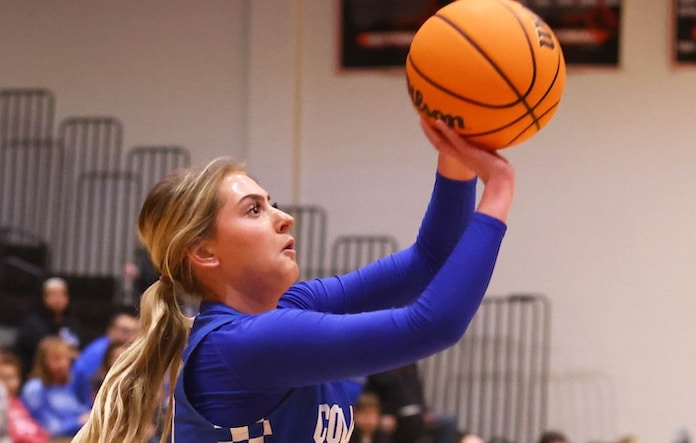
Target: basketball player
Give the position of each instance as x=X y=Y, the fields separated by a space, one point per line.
x=265 y=357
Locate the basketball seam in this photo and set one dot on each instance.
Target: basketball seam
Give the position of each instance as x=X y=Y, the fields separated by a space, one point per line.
x=555 y=105
x=530 y=110
x=536 y=105
x=436 y=85
x=521 y=97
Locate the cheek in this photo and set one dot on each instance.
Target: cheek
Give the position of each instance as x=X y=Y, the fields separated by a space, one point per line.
x=243 y=245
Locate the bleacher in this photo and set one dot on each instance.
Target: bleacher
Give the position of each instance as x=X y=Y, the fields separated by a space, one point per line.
x=69 y=195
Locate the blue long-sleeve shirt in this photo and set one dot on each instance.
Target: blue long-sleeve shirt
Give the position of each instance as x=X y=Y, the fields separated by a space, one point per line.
x=85 y=367
x=55 y=408
x=399 y=309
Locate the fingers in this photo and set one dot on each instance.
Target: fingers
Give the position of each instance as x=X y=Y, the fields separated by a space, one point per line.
x=435 y=136
x=455 y=139
x=438 y=139
x=493 y=169
x=483 y=162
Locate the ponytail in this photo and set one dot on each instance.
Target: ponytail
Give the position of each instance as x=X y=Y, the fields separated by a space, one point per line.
x=128 y=406
x=178 y=212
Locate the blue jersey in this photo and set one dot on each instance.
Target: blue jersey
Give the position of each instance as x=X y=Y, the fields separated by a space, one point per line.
x=322 y=411
x=276 y=377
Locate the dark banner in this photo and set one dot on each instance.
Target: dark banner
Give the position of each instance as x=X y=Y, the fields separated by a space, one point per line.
x=588 y=30
x=378 y=33
x=685 y=31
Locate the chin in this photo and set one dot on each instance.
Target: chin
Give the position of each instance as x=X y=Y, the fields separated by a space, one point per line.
x=295 y=273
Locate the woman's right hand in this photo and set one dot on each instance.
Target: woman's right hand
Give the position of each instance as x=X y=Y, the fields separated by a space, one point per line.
x=494 y=171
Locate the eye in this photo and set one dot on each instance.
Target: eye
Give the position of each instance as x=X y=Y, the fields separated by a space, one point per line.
x=275 y=205
x=256 y=208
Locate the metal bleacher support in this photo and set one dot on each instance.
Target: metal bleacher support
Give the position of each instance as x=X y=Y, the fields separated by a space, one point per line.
x=70 y=196
x=349 y=252
x=496 y=379
x=148 y=164
x=28 y=160
x=28 y=193
x=92 y=215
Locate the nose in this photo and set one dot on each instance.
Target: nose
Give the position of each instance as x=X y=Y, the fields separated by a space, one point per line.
x=285 y=221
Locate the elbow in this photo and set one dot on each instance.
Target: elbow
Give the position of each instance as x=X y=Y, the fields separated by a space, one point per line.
x=440 y=329
x=452 y=332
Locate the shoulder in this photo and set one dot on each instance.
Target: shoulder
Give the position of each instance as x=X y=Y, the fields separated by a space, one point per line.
x=32 y=393
x=96 y=347
x=301 y=294
x=33 y=385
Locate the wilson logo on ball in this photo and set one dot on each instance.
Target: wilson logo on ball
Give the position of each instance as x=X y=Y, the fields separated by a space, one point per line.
x=453 y=121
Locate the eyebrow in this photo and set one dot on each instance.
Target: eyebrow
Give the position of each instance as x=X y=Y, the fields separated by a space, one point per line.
x=254 y=197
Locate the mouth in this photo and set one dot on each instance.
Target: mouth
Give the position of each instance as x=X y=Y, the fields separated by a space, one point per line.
x=290 y=245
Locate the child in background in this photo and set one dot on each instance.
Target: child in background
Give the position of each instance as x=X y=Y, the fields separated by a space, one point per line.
x=4 y=411
x=48 y=395
x=367 y=420
x=469 y=437
x=22 y=427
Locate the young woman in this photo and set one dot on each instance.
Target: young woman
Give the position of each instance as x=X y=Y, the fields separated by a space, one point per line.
x=265 y=359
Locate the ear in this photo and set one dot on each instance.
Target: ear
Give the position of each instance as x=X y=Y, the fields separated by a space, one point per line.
x=201 y=255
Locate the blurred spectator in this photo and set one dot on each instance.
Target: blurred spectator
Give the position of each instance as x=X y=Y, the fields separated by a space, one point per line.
x=48 y=395
x=122 y=328
x=468 y=437
x=22 y=426
x=113 y=351
x=367 y=420
x=401 y=394
x=51 y=318
x=553 y=437
x=4 y=415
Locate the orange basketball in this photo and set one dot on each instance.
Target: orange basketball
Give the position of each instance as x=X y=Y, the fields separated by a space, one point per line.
x=492 y=69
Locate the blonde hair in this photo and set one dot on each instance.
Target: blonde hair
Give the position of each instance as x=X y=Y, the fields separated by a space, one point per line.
x=177 y=214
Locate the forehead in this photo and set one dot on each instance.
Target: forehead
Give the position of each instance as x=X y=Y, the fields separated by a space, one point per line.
x=58 y=351
x=238 y=185
x=8 y=368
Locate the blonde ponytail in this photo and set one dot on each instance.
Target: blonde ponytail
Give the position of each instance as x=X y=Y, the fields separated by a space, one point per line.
x=178 y=213
x=128 y=407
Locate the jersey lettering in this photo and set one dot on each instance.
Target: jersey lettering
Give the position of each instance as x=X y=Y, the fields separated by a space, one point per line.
x=331 y=425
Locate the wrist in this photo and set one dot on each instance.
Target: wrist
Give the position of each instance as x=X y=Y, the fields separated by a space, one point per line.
x=452 y=168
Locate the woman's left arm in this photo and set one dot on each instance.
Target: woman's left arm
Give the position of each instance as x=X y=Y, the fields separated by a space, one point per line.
x=397 y=279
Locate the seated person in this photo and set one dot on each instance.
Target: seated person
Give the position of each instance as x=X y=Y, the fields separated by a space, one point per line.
x=401 y=394
x=22 y=426
x=122 y=328
x=553 y=437
x=367 y=420
x=114 y=350
x=48 y=395
x=52 y=317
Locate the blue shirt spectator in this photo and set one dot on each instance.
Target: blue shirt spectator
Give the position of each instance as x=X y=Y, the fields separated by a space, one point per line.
x=48 y=395
x=122 y=328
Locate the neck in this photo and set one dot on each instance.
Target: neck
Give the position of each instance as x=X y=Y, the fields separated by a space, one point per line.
x=247 y=302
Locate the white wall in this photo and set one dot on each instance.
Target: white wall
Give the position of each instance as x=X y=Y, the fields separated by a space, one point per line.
x=605 y=217
x=172 y=71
